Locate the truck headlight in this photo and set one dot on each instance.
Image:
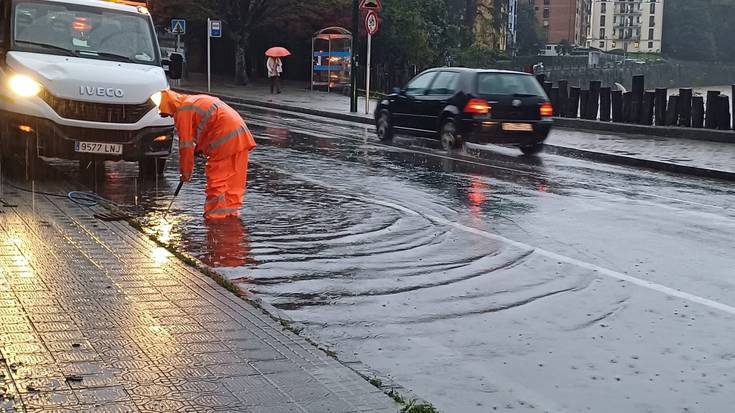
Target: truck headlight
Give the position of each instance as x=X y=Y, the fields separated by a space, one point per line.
x=156 y=98
x=24 y=86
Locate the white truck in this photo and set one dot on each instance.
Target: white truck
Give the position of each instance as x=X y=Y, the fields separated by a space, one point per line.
x=81 y=80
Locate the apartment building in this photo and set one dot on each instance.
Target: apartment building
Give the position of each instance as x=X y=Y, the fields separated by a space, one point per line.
x=634 y=26
x=563 y=20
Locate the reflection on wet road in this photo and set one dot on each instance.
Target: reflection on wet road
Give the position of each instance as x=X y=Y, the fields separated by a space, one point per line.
x=483 y=281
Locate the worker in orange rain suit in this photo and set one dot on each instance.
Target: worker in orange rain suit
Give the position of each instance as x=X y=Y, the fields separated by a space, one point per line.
x=207 y=125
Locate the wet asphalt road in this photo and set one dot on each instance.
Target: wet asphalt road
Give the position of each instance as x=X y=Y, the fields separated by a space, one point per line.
x=484 y=281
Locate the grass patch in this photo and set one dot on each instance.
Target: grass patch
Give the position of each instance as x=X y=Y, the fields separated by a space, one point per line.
x=376 y=382
x=411 y=406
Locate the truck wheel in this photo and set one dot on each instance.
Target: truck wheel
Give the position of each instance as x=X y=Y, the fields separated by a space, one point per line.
x=151 y=167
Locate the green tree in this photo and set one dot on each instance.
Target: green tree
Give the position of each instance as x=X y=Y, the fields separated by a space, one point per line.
x=528 y=36
x=244 y=20
x=564 y=48
x=416 y=32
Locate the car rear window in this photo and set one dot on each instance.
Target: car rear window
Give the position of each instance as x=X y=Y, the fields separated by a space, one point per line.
x=508 y=84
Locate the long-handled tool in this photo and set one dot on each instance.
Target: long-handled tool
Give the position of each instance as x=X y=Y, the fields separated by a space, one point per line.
x=176 y=194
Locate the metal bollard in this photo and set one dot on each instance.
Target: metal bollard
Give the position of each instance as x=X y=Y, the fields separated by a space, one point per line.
x=593 y=104
x=616 y=99
x=672 y=112
x=710 y=114
x=605 y=94
x=698 y=112
x=563 y=97
x=573 y=104
x=660 y=106
x=685 y=107
x=639 y=88
x=647 y=109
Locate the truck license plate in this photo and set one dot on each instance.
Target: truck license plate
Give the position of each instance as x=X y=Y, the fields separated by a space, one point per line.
x=518 y=127
x=99 y=148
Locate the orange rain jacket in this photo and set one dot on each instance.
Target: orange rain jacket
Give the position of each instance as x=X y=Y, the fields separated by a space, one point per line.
x=205 y=124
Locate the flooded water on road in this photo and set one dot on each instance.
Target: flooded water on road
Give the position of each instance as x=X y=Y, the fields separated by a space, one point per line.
x=398 y=256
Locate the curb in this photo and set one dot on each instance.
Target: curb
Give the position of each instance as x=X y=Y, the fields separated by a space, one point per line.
x=674 y=132
x=290 y=108
x=564 y=123
x=388 y=387
x=638 y=162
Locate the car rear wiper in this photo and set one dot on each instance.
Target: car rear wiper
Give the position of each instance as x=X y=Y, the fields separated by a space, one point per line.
x=523 y=95
x=107 y=55
x=64 y=50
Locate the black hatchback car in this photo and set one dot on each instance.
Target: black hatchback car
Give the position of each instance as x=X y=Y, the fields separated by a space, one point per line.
x=460 y=105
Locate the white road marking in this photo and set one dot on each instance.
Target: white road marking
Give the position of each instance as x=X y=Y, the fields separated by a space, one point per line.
x=671 y=292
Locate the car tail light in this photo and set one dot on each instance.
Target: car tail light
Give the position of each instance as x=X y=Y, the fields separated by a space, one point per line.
x=478 y=107
x=546 y=110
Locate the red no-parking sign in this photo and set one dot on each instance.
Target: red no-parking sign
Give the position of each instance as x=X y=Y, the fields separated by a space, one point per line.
x=372 y=24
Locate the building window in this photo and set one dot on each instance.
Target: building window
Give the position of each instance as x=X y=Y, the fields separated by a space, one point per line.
x=636 y=45
x=602 y=45
x=652 y=21
x=614 y=44
x=546 y=2
x=650 y=45
x=602 y=33
x=546 y=13
x=653 y=8
x=602 y=21
x=650 y=34
x=603 y=8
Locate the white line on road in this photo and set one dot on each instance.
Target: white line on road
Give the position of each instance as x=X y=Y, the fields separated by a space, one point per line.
x=671 y=292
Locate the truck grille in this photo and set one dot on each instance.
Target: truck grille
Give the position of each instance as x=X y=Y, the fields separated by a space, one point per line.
x=96 y=135
x=96 y=112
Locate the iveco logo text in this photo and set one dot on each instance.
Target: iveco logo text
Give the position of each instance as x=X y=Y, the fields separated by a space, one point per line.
x=101 y=91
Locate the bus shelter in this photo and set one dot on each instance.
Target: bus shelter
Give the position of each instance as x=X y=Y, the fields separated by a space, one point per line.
x=331 y=58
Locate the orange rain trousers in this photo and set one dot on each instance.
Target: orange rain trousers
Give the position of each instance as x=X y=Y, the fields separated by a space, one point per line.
x=226 y=182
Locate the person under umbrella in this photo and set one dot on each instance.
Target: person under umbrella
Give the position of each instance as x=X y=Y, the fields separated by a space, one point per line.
x=275 y=66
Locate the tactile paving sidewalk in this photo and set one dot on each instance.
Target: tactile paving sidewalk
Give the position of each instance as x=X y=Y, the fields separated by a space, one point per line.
x=95 y=317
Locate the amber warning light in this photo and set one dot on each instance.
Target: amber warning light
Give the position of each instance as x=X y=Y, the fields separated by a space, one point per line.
x=81 y=24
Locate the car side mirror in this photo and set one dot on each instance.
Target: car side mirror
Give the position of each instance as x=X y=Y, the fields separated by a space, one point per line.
x=176 y=67
x=398 y=91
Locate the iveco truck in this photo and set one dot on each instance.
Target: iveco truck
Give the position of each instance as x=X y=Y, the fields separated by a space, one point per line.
x=81 y=80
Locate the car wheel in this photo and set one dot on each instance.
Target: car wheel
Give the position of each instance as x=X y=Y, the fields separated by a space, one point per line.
x=384 y=127
x=151 y=167
x=532 y=149
x=450 y=139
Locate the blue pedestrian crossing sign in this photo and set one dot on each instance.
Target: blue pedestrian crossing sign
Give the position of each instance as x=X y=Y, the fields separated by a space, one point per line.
x=178 y=26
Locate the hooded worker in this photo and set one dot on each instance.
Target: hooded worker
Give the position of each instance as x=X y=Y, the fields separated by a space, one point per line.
x=207 y=125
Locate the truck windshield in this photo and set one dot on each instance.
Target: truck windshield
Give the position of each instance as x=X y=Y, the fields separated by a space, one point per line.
x=83 y=31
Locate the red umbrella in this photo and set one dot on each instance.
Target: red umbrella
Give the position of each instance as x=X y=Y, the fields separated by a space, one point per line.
x=277 y=52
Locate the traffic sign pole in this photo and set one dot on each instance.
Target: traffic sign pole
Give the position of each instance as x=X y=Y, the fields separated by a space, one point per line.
x=209 y=55
x=367 y=80
x=355 y=38
x=371 y=27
